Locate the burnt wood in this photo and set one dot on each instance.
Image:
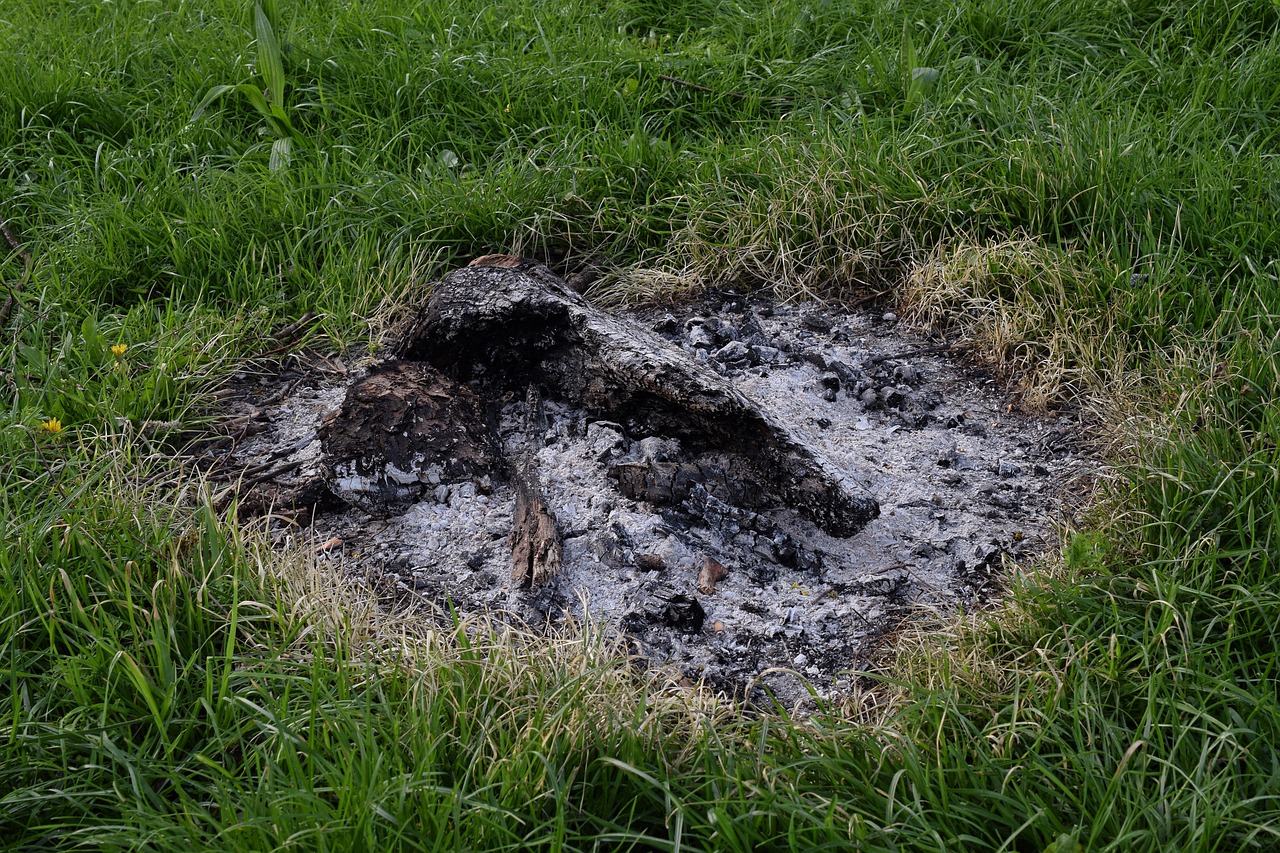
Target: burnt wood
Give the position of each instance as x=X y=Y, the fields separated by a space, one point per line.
x=536 y=547
x=505 y=326
x=403 y=430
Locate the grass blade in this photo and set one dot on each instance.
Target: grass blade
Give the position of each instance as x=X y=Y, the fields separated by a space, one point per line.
x=270 y=58
x=280 y=151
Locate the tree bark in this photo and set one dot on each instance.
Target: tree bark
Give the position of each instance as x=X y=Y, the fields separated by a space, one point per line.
x=536 y=549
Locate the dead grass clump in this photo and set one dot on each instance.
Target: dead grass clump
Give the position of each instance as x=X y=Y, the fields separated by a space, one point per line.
x=1016 y=304
x=810 y=222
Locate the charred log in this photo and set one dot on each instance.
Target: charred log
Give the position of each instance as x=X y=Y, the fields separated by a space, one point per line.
x=671 y=483
x=536 y=548
x=508 y=325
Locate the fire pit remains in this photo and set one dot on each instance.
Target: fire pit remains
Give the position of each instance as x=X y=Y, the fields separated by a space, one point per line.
x=745 y=489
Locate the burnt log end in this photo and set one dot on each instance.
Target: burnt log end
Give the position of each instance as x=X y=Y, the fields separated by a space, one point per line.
x=536 y=549
x=405 y=429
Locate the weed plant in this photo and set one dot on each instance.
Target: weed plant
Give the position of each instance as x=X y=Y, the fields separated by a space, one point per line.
x=269 y=101
x=1084 y=192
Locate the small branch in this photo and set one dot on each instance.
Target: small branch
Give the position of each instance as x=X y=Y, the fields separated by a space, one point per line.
x=17 y=247
x=292 y=333
x=698 y=88
x=223 y=498
x=294 y=330
x=279 y=394
x=869 y=299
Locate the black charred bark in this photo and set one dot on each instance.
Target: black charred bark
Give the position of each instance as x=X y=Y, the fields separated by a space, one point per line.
x=404 y=430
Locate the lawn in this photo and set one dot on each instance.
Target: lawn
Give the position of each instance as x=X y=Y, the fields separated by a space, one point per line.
x=1084 y=193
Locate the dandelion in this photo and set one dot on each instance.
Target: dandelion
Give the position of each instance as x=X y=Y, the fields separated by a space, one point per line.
x=118 y=350
x=53 y=425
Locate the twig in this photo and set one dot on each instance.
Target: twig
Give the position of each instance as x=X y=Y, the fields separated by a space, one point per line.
x=292 y=333
x=699 y=88
x=869 y=299
x=294 y=330
x=14 y=290
x=271 y=466
x=279 y=394
x=8 y=235
x=338 y=369
x=222 y=498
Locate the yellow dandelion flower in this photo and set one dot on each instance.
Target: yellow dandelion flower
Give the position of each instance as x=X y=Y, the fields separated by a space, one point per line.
x=52 y=425
x=118 y=350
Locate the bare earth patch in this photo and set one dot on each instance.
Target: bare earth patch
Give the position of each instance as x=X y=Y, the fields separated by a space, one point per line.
x=845 y=474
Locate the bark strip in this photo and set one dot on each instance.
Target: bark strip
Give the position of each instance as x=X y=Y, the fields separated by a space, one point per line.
x=536 y=548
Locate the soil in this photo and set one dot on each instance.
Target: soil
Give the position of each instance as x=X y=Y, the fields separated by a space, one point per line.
x=740 y=596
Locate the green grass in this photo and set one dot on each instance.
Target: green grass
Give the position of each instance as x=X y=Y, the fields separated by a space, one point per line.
x=1085 y=192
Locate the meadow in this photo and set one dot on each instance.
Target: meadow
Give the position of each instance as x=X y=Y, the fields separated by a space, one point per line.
x=1083 y=193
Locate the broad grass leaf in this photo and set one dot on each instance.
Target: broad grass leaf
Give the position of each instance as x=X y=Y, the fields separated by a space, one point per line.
x=280 y=151
x=270 y=60
x=256 y=98
x=210 y=96
x=253 y=93
x=281 y=124
x=922 y=80
x=924 y=76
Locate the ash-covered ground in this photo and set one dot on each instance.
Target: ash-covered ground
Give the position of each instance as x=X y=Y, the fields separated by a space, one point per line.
x=735 y=598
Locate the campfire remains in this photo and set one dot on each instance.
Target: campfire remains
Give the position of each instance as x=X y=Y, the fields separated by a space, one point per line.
x=742 y=491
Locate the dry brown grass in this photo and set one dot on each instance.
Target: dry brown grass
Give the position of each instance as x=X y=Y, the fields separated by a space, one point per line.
x=573 y=680
x=1013 y=304
x=821 y=229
